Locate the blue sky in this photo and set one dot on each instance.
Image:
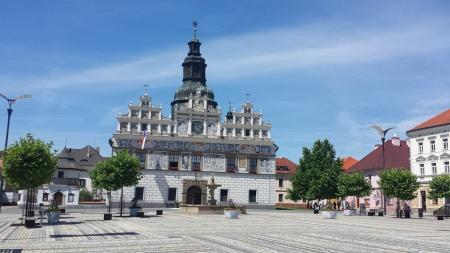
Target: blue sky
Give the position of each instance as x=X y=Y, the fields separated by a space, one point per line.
x=316 y=69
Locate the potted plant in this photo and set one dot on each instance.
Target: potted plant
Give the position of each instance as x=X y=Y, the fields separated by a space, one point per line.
x=134 y=208
x=53 y=213
x=328 y=212
x=230 y=211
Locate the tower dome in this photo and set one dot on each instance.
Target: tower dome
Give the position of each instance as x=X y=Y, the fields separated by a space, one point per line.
x=194 y=75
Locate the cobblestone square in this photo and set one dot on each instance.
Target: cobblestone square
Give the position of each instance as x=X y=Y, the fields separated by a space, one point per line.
x=258 y=231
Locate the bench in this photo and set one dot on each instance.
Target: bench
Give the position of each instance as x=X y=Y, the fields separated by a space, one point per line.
x=159 y=212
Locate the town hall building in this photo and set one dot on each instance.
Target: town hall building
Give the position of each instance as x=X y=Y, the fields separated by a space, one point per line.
x=183 y=151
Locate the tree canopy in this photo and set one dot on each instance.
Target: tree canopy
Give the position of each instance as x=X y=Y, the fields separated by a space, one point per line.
x=440 y=187
x=29 y=163
x=120 y=170
x=399 y=183
x=353 y=184
x=317 y=173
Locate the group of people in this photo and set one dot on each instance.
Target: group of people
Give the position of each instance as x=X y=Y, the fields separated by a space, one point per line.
x=335 y=205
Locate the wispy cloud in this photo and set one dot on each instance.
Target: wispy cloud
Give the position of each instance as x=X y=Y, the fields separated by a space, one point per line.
x=275 y=50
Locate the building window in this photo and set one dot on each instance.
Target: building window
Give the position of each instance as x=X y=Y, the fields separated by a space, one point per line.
x=82 y=182
x=280 y=182
x=154 y=128
x=231 y=164
x=247 y=132
x=45 y=196
x=71 y=197
x=141 y=158
x=20 y=196
x=195 y=162
x=60 y=174
x=144 y=127
x=433 y=145
x=447 y=167
x=252 y=196
x=173 y=162
x=420 y=147
x=223 y=195
x=433 y=168
x=172 y=194
x=280 y=197
x=139 y=193
x=435 y=201
x=445 y=143
x=253 y=165
x=422 y=169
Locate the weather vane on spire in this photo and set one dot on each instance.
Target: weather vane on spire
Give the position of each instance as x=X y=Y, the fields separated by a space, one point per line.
x=247 y=96
x=195 y=24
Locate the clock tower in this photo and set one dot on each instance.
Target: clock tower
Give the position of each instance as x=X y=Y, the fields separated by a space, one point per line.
x=194 y=108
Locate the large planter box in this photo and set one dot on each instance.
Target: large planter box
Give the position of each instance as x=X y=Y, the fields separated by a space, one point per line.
x=232 y=214
x=348 y=212
x=53 y=217
x=328 y=214
x=134 y=211
x=107 y=216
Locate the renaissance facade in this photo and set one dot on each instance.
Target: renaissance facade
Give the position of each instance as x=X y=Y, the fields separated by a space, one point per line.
x=182 y=152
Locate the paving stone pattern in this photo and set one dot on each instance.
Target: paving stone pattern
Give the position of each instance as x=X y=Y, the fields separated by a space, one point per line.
x=259 y=231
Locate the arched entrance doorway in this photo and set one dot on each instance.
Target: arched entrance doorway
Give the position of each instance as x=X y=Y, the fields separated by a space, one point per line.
x=194 y=195
x=58 y=198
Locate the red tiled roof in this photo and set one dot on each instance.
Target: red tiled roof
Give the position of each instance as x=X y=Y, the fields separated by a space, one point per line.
x=395 y=157
x=285 y=166
x=348 y=162
x=442 y=118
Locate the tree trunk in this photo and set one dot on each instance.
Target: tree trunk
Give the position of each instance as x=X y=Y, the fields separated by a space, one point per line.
x=398 y=207
x=121 y=201
x=109 y=201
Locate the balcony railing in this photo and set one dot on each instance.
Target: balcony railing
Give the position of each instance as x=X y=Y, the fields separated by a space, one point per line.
x=66 y=181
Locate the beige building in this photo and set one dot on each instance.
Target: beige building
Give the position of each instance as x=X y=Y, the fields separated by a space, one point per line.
x=285 y=169
x=430 y=156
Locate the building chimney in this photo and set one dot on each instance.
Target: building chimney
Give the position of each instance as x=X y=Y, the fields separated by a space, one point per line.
x=98 y=149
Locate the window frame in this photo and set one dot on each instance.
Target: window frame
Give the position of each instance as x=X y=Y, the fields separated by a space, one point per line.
x=198 y=164
x=280 y=197
x=422 y=169
x=420 y=146
x=231 y=164
x=280 y=182
x=135 y=193
x=174 y=194
x=226 y=195
x=45 y=196
x=433 y=168
x=250 y=196
x=172 y=161
x=433 y=145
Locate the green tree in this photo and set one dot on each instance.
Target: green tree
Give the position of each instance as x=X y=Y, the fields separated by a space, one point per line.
x=28 y=164
x=85 y=195
x=353 y=184
x=115 y=173
x=317 y=173
x=399 y=183
x=440 y=187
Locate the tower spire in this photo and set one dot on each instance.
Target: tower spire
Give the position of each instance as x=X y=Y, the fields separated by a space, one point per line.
x=194 y=28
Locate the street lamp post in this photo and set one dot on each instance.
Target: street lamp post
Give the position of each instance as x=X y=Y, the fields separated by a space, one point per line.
x=383 y=138
x=9 y=110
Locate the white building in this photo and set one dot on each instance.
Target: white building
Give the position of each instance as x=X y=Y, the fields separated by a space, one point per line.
x=183 y=151
x=71 y=176
x=430 y=156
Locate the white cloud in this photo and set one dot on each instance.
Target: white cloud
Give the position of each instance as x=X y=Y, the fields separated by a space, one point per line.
x=250 y=54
